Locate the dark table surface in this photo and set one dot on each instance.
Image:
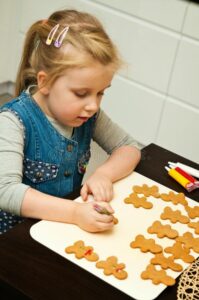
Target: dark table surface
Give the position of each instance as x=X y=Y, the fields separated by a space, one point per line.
x=29 y=270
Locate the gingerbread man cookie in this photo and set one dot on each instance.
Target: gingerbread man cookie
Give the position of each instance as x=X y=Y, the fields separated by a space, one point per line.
x=162 y=230
x=189 y=241
x=157 y=276
x=145 y=245
x=147 y=190
x=174 y=216
x=82 y=251
x=138 y=201
x=178 y=250
x=194 y=225
x=166 y=262
x=112 y=267
x=178 y=198
x=193 y=212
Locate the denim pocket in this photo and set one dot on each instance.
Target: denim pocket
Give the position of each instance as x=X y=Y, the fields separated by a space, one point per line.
x=39 y=171
x=83 y=161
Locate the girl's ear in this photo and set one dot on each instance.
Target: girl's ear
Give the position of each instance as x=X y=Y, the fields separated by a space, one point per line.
x=41 y=81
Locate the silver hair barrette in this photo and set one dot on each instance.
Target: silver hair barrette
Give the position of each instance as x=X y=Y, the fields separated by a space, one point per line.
x=51 y=34
x=61 y=37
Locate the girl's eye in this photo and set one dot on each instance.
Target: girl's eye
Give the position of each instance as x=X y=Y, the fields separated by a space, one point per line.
x=81 y=95
x=101 y=94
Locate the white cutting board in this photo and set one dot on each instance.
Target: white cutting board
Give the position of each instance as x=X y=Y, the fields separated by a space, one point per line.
x=132 y=221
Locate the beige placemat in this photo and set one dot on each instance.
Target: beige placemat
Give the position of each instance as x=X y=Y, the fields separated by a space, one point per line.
x=188 y=287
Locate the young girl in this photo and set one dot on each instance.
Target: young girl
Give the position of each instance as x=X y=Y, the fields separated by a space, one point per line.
x=67 y=64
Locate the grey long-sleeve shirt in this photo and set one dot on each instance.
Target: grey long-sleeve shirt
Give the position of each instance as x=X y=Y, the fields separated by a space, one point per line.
x=106 y=133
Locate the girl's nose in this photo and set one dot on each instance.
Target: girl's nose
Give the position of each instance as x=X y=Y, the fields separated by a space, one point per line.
x=92 y=105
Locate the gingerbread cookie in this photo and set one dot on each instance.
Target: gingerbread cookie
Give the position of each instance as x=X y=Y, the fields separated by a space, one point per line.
x=189 y=241
x=138 y=201
x=162 y=230
x=82 y=251
x=145 y=245
x=115 y=220
x=166 y=262
x=174 y=216
x=112 y=267
x=178 y=250
x=157 y=276
x=193 y=212
x=194 y=225
x=178 y=198
x=147 y=190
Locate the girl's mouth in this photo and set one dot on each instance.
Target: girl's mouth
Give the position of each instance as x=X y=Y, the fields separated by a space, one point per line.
x=83 y=118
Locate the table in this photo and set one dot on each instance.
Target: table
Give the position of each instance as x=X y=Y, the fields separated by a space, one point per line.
x=29 y=270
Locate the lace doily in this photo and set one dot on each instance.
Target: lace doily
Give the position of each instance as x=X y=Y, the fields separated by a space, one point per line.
x=188 y=287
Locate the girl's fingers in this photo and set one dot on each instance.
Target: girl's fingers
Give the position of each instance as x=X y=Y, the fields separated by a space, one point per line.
x=84 y=192
x=105 y=226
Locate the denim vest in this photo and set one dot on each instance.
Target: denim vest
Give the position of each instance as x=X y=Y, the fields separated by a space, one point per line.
x=52 y=163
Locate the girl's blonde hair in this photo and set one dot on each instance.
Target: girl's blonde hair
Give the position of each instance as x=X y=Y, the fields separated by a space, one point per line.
x=86 y=34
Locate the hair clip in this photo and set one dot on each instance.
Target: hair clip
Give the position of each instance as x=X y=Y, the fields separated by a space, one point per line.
x=61 y=37
x=51 y=34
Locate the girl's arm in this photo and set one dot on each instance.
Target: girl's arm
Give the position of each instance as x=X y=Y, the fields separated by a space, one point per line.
x=124 y=156
x=20 y=199
x=42 y=206
x=120 y=164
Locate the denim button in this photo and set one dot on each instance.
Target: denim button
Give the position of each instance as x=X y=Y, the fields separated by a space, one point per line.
x=38 y=175
x=66 y=173
x=69 y=148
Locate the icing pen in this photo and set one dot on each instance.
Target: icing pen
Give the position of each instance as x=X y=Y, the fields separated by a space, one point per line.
x=186 y=183
x=101 y=210
x=189 y=177
x=189 y=170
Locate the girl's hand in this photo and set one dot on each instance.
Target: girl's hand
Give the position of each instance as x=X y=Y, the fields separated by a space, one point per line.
x=99 y=186
x=87 y=218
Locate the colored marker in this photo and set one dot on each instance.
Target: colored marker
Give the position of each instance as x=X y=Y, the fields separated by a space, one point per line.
x=189 y=170
x=180 y=179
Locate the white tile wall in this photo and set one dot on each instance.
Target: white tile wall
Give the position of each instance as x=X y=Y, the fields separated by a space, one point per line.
x=135 y=108
x=160 y=41
x=178 y=130
x=143 y=46
x=168 y=13
x=191 y=24
x=9 y=30
x=185 y=80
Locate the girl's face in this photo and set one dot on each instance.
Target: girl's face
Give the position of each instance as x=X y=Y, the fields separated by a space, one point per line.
x=76 y=96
